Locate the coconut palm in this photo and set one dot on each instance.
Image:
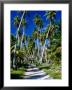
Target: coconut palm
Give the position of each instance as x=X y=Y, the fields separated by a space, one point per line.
x=43 y=37
x=39 y=24
x=38 y=21
x=17 y=22
x=23 y=26
x=35 y=33
x=50 y=15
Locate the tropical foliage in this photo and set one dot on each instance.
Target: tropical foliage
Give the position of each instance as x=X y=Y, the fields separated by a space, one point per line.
x=34 y=49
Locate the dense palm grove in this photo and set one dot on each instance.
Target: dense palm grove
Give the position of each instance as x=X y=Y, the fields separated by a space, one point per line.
x=34 y=49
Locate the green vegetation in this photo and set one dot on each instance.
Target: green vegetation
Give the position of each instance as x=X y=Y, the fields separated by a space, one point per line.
x=17 y=74
x=53 y=70
x=24 y=49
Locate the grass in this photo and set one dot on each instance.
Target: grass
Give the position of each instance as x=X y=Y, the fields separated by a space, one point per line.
x=44 y=67
x=52 y=70
x=17 y=74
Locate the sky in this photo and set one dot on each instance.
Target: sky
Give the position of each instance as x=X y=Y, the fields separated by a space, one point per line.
x=30 y=24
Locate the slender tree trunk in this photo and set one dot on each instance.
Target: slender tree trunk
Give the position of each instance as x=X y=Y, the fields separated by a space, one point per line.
x=22 y=39
x=14 y=59
x=42 y=52
x=38 y=46
x=49 y=42
x=38 y=43
x=43 y=49
x=18 y=40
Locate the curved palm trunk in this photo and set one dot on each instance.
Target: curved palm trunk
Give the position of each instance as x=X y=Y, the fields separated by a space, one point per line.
x=49 y=42
x=42 y=52
x=43 y=49
x=38 y=46
x=14 y=59
x=22 y=39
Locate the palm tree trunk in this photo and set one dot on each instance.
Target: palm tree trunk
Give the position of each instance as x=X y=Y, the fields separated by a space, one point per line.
x=22 y=39
x=42 y=53
x=38 y=44
x=14 y=59
x=49 y=42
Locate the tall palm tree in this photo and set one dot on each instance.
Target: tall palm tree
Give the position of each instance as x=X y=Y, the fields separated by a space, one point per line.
x=39 y=24
x=24 y=23
x=38 y=21
x=35 y=33
x=50 y=15
x=43 y=37
x=17 y=22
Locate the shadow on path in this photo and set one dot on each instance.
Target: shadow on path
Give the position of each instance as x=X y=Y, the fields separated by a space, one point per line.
x=35 y=77
x=35 y=73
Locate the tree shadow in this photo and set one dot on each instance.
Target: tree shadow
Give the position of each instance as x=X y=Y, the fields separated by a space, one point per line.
x=33 y=70
x=16 y=76
x=35 y=77
x=44 y=67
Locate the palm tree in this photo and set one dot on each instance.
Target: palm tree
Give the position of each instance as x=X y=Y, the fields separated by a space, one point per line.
x=35 y=33
x=43 y=37
x=13 y=42
x=38 y=21
x=17 y=22
x=50 y=15
x=23 y=25
x=39 y=24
